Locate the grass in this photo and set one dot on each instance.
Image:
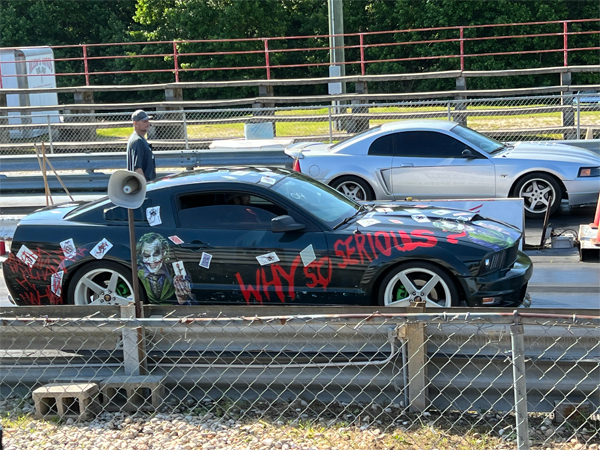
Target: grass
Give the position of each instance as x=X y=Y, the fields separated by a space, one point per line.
x=390 y=429
x=309 y=128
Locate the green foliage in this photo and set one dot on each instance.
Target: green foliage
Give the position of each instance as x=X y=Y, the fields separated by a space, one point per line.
x=67 y=22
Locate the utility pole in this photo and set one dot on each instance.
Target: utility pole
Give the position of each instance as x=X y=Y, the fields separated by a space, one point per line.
x=337 y=68
x=336 y=27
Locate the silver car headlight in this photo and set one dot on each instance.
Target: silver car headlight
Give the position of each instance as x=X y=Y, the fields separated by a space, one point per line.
x=586 y=172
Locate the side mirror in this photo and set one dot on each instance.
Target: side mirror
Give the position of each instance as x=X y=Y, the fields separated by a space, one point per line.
x=468 y=154
x=281 y=224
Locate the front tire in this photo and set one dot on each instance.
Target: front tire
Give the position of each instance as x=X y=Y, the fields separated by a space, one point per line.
x=354 y=188
x=101 y=279
x=418 y=281
x=535 y=190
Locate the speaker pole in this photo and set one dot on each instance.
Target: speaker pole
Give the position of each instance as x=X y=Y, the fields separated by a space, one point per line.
x=139 y=312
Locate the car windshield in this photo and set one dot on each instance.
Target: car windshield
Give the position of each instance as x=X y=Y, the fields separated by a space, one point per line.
x=358 y=137
x=321 y=201
x=478 y=140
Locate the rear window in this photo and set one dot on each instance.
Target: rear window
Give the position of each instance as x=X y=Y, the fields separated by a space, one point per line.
x=88 y=207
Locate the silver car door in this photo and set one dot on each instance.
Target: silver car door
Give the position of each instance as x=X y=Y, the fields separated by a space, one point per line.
x=431 y=164
x=379 y=164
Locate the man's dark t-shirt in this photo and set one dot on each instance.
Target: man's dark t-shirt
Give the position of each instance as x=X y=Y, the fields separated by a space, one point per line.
x=140 y=156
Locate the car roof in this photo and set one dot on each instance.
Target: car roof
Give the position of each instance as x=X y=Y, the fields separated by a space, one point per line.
x=428 y=124
x=241 y=174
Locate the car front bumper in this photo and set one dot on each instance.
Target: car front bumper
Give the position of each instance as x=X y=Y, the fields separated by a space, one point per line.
x=583 y=191
x=507 y=290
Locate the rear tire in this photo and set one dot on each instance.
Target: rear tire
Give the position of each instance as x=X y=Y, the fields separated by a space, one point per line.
x=535 y=190
x=101 y=279
x=354 y=188
x=418 y=281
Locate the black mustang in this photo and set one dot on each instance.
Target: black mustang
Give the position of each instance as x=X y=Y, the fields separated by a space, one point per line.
x=260 y=236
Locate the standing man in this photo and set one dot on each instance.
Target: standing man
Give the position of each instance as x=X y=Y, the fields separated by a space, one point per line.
x=139 y=154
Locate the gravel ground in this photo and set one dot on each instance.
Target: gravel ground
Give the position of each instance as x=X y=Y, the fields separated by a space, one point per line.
x=179 y=428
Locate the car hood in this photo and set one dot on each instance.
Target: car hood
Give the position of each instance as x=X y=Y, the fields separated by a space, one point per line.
x=551 y=152
x=451 y=225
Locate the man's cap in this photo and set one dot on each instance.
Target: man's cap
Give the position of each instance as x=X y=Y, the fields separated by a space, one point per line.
x=140 y=115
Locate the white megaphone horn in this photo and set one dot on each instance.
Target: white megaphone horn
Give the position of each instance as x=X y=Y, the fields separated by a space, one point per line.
x=127 y=189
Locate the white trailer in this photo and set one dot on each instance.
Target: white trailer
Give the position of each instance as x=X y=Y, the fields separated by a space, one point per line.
x=29 y=68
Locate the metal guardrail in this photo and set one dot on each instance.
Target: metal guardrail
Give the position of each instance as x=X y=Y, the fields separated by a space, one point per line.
x=98 y=182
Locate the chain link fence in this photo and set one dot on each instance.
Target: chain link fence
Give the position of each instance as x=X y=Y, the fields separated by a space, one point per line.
x=506 y=119
x=381 y=381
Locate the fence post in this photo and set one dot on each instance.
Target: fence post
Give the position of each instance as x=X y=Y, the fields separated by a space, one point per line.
x=176 y=61
x=460 y=104
x=462 y=48
x=84 y=133
x=362 y=53
x=4 y=132
x=416 y=345
x=267 y=60
x=520 y=382
x=134 y=348
x=85 y=65
x=185 y=132
x=566 y=100
x=172 y=130
x=265 y=91
x=358 y=124
x=330 y=124
x=565 y=43
x=50 y=135
x=578 y=116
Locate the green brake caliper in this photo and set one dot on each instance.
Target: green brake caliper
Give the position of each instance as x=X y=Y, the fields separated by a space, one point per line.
x=401 y=292
x=122 y=290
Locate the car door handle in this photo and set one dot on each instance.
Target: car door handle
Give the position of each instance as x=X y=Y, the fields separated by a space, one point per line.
x=407 y=165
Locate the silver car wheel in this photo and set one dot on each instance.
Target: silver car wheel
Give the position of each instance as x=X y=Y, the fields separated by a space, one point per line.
x=106 y=283
x=536 y=193
x=353 y=190
x=417 y=284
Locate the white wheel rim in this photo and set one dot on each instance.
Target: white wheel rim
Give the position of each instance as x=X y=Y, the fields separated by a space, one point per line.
x=428 y=291
x=535 y=194
x=93 y=286
x=353 y=190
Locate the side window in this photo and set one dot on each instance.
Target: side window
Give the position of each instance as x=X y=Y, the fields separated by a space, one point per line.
x=429 y=144
x=228 y=210
x=383 y=146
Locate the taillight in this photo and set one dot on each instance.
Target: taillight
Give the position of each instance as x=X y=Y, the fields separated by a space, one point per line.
x=296 y=166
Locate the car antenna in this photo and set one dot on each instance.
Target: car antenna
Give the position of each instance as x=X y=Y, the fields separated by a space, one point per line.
x=357 y=231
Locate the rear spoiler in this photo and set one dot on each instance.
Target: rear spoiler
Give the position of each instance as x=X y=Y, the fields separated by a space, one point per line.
x=295 y=150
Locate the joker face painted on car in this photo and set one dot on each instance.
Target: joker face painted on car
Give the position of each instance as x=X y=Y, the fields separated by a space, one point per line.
x=152 y=253
x=292 y=240
x=160 y=284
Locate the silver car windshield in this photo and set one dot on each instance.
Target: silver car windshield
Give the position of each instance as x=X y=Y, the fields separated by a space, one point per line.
x=358 y=137
x=323 y=202
x=478 y=140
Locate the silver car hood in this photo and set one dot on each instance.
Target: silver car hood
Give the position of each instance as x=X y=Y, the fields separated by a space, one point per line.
x=551 y=152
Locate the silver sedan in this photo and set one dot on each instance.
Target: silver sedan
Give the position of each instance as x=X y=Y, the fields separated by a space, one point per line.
x=435 y=159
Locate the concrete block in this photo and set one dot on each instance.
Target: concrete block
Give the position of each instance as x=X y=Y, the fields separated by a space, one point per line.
x=575 y=413
x=132 y=393
x=78 y=401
